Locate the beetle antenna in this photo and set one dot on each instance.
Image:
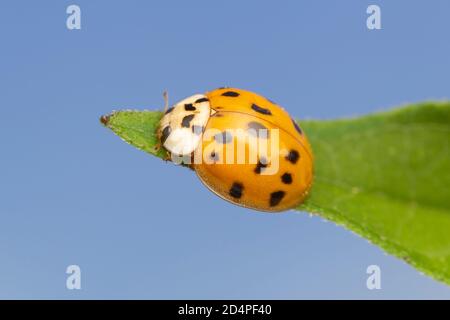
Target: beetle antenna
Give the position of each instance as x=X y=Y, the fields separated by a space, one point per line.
x=166 y=100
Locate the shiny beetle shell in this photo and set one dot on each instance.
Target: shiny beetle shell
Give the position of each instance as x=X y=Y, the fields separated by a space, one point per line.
x=215 y=128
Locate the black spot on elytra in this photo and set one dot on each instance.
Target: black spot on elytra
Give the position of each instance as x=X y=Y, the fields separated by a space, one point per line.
x=230 y=94
x=186 y=122
x=256 y=129
x=293 y=156
x=169 y=110
x=276 y=197
x=197 y=129
x=223 y=137
x=236 y=190
x=261 y=109
x=297 y=127
x=286 y=178
x=201 y=100
x=189 y=107
x=214 y=156
x=165 y=133
x=261 y=165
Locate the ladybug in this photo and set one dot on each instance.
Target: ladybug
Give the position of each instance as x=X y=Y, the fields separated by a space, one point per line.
x=242 y=146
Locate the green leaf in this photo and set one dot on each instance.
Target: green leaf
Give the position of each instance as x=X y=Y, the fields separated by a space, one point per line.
x=137 y=128
x=385 y=176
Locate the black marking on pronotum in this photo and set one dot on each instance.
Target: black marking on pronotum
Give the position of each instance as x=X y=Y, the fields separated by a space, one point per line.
x=297 y=127
x=236 y=190
x=214 y=156
x=293 y=156
x=230 y=94
x=165 y=133
x=186 y=122
x=261 y=165
x=169 y=110
x=256 y=129
x=276 y=197
x=261 y=110
x=286 y=178
x=189 y=107
x=197 y=129
x=223 y=137
x=201 y=100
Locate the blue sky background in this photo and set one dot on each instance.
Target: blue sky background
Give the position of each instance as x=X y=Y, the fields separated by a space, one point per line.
x=73 y=193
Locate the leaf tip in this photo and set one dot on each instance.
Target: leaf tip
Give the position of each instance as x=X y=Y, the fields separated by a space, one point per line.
x=104 y=119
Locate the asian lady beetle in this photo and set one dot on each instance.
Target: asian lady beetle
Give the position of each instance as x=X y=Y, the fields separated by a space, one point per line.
x=229 y=135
